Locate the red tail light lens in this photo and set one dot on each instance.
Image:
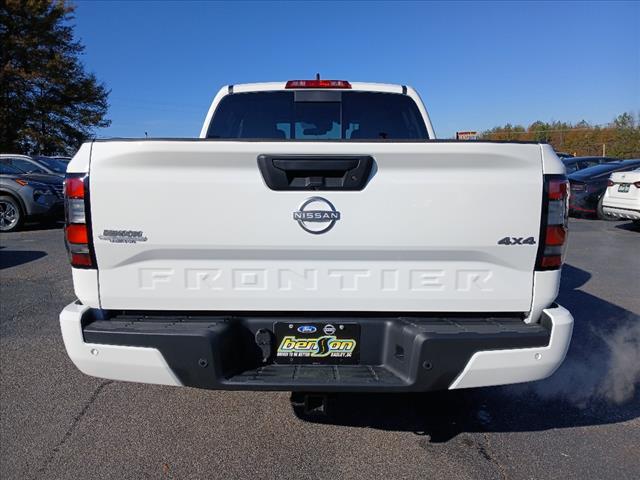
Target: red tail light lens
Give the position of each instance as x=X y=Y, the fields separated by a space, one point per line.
x=555 y=220
x=556 y=235
x=318 y=84
x=557 y=190
x=636 y=184
x=610 y=183
x=77 y=233
x=551 y=262
x=81 y=260
x=77 y=230
x=74 y=187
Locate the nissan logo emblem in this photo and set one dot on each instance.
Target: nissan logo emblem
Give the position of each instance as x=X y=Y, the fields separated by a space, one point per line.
x=316 y=215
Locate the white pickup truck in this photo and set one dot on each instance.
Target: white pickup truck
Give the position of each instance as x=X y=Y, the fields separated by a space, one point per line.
x=316 y=238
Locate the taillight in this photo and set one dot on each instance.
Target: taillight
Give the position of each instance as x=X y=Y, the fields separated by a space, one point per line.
x=74 y=187
x=636 y=184
x=555 y=219
x=318 y=84
x=77 y=231
x=610 y=183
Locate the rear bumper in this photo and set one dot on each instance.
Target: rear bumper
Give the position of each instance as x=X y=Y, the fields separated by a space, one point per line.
x=116 y=362
x=521 y=365
x=398 y=353
x=620 y=212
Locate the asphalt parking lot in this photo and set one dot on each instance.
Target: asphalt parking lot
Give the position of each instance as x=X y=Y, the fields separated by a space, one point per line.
x=583 y=422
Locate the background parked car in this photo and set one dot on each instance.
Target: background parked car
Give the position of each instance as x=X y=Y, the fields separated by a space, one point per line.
x=56 y=164
x=29 y=164
x=622 y=197
x=61 y=158
x=26 y=195
x=573 y=164
x=588 y=187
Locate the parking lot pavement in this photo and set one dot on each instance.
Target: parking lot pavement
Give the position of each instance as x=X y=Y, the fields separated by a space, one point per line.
x=583 y=422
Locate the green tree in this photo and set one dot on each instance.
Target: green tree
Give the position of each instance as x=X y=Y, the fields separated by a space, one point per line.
x=624 y=121
x=620 y=139
x=49 y=104
x=540 y=131
x=626 y=143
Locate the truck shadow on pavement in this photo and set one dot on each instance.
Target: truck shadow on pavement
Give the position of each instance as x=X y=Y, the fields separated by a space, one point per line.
x=42 y=225
x=630 y=226
x=13 y=258
x=594 y=386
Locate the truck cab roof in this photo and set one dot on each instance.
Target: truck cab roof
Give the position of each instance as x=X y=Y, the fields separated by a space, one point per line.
x=360 y=86
x=285 y=86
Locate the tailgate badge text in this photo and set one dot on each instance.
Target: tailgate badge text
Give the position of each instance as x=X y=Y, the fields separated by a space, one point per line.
x=123 y=236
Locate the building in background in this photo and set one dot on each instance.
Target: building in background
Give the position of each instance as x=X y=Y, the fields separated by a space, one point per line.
x=466 y=135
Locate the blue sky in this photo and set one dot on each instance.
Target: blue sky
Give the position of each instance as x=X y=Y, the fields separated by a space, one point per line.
x=476 y=65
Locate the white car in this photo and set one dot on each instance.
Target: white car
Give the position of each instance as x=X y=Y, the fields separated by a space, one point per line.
x=622 y=197
x=316 y=237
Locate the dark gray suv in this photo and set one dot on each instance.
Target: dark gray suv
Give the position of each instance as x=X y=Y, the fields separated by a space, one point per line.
x=28 y=194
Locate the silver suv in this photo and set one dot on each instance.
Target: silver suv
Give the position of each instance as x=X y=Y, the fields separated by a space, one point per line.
x=28 y=191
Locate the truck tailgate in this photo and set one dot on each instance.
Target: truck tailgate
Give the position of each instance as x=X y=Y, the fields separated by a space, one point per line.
x=192 y=225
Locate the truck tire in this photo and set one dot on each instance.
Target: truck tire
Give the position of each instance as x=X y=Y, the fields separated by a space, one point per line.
x=11 y=216
x=600 y=212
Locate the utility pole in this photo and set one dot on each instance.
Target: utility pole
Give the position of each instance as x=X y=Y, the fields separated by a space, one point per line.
x=604 y=149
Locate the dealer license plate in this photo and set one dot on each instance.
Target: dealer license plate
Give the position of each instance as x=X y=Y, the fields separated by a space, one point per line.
x=317 y=342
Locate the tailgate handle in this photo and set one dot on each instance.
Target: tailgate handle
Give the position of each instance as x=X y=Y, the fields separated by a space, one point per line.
x=327 y=172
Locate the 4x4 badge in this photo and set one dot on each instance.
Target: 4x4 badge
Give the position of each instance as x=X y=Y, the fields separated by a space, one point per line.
x=517 y=241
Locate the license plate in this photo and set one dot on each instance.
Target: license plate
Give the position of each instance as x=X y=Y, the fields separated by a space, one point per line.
x=624 y=187
x=321 y=343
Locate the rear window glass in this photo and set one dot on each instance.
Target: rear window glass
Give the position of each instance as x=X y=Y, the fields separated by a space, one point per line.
x=23 y=166
x=317 y=115
x=54 y=164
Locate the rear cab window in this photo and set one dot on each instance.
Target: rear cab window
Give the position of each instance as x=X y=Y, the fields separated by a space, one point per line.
x=317 y=115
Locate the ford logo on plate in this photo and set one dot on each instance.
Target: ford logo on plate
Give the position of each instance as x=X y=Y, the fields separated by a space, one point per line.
x=307 y=329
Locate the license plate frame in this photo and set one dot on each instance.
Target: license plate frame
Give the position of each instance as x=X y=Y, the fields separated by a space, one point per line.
x=322 y=343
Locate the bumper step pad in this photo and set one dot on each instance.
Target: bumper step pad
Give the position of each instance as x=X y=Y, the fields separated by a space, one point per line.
x=353 y=375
